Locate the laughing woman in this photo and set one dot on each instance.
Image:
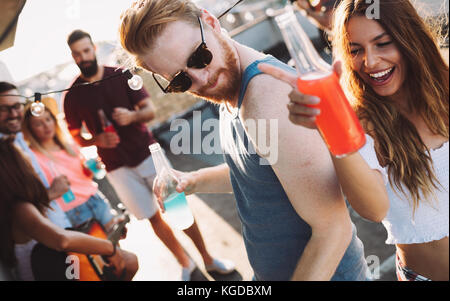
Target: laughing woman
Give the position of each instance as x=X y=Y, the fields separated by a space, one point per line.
x=398 y=84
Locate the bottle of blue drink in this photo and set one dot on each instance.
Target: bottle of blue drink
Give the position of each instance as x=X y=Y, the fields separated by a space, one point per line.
x=68 y=196
x=96 y=167
x=177 y=212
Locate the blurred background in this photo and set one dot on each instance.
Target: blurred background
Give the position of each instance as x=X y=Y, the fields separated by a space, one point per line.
x=34 y=56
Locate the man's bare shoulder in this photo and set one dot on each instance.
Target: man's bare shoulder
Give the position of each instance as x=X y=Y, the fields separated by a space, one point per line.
x=266 y=98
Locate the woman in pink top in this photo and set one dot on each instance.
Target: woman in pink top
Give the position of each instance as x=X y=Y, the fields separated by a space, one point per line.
x=57 y=157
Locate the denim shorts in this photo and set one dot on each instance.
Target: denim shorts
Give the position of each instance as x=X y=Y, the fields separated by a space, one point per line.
x=96 y=207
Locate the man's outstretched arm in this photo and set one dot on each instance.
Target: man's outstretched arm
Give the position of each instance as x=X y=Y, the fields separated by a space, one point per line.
x=214 y=179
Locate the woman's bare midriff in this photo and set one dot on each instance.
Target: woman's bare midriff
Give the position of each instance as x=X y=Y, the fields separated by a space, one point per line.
x=427 y=259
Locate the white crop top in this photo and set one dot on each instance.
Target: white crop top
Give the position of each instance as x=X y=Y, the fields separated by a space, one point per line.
x=430 y=220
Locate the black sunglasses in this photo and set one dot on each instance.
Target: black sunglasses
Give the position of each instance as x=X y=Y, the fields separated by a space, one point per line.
x=199 y=59
x=8 y=109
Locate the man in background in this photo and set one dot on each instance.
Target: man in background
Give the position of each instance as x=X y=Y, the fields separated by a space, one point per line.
x=124 y=147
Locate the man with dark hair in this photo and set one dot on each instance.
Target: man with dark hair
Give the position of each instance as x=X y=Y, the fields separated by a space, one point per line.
x=5 y=86
x=76 y=35
x=88 y=67
x=124 y=151
x=10 y=117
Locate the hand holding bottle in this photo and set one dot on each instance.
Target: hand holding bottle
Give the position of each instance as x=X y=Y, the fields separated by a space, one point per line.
x=337 y=122
x=166 y=188
x=186 y=182
x=107 y=140
x=61 y=183
x=58 y=187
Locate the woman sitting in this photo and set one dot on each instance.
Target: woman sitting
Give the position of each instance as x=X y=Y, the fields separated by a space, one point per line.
x=24 y=228
x=57 y=157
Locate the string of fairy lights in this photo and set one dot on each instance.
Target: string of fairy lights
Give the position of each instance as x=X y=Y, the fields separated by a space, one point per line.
x=135 y=82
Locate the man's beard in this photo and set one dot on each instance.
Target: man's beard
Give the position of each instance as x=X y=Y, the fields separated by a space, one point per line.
x=88 y=68
x=8 y=129
x=229 y=91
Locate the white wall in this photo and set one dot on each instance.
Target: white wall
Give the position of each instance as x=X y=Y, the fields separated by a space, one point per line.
x=5 y=76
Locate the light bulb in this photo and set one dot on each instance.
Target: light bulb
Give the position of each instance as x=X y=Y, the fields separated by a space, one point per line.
x=37 y=108
x=248 y=16
x=231 y=19
x=136 y=82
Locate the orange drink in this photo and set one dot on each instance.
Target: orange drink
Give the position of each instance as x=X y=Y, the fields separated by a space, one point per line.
x=337 y=122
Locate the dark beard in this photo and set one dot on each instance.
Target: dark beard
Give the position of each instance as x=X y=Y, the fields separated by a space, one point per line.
x=230 y=90
x=88 y=68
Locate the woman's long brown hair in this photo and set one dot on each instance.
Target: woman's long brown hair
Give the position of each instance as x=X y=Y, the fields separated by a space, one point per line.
x=19 y=183
x=397 y=142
